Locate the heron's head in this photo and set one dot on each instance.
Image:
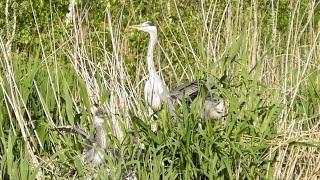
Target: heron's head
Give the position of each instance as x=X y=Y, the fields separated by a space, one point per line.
x=214 y=110
x=98 y=114
x=146 y=26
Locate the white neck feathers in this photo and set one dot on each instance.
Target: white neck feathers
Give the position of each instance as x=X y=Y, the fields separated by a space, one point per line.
x=152 y=43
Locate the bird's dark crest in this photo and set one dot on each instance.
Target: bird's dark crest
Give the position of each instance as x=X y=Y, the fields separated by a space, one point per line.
x=149 y=23
x=99 y=112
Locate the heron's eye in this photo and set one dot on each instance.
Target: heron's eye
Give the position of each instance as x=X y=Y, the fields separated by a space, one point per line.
x=148 y=23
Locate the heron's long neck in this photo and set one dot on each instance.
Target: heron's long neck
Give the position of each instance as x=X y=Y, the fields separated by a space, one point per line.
x=152 y=43
x=100 y=137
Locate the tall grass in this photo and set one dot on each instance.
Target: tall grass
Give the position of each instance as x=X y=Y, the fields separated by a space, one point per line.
x=263 y=56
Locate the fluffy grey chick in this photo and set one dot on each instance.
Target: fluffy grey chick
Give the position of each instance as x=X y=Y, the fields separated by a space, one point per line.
x=92 y=153
x=93 y=144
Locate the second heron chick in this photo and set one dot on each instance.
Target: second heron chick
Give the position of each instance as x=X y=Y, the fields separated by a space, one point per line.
x=94 y=144
x=93 y=152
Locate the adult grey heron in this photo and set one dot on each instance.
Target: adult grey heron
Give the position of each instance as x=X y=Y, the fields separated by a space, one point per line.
x=156 y=92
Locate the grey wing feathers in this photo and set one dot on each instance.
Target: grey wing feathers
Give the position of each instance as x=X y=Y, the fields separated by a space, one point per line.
x=75 y=130
x=190 y=90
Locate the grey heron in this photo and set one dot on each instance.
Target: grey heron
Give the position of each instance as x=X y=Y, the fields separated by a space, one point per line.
x=93 y=153
x=212 y=109
x=156 y=92
x=94 y=144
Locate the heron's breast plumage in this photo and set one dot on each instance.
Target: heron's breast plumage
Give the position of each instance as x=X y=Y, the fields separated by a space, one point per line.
x=152 y=94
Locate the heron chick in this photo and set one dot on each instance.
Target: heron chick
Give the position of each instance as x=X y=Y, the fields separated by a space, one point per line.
x=94 y=144
x=93 y=152
x=212 y=109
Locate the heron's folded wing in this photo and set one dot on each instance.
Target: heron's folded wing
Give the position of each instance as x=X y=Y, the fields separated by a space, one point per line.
x=190 y=90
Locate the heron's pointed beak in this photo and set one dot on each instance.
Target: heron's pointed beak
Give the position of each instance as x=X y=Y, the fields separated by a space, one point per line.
x=134 y=26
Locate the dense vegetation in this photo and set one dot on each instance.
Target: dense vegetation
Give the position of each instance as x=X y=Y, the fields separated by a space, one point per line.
x=263 y=56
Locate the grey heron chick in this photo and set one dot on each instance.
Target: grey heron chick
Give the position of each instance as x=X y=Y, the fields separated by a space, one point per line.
x=155 y=90
x=93 y=152
x=94 y=144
